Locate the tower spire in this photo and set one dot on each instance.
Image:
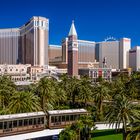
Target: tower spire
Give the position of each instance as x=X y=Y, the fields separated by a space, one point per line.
x=72 y=52
x=72 y=29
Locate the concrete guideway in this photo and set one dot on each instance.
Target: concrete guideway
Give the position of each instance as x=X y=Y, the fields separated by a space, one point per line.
x=52 y=132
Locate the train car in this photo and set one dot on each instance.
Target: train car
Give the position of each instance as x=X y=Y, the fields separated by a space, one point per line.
x=62 y=118
x=22 y=123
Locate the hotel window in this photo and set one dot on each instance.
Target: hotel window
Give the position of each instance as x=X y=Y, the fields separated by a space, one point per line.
x=42 y=23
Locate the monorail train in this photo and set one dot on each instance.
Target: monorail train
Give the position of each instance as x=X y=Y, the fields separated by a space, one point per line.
x=35 y=121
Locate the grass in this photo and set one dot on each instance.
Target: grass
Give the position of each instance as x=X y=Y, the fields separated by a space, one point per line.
x=106 y=135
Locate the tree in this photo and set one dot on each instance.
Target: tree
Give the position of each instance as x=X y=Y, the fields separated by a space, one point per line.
x=46 y=92
x=122 y=110
x=87 y=124
x=134 y=133
x=85 y=90
x=60 y=95
x=22 y=102
x=7 y=88
x=100 y=93
x=73 y=89
x=67 y=134
x=80 y=130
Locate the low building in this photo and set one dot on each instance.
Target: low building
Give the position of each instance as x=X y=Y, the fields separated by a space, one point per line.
x=96 y=73
x=16 y=72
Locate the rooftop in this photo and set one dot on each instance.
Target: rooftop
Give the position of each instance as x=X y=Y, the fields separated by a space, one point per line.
x=53 y=112
x=21 y=115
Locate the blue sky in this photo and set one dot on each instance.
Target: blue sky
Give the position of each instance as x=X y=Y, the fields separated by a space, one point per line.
x=94 y=19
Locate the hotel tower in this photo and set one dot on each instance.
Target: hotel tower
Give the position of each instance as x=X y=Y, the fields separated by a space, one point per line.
x=27 y=44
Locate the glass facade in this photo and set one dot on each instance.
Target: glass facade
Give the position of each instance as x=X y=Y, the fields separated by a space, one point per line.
x=110 y=51
x=86 y=51
x=9 y=46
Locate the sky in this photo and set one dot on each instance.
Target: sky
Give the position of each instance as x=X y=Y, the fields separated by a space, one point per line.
x=95 y=20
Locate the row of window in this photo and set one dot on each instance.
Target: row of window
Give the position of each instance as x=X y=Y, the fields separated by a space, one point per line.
x=96 y=74
x=41 y=23
x=20 y=123
x=64 y=118
x=11 y=70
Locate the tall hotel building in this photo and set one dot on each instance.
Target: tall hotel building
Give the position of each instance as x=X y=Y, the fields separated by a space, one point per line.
x=134 y=58
x=110 y=51
x=9 y=39
x=116 y=53
x=27 y=44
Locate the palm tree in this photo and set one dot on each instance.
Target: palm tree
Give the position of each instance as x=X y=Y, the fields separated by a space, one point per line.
x=60 y=95
x=67 y=134
x=80 y=130
x=22 y=102
x=64 y=81
x=118 y=87
x=132 y=90
x=85 y=92
x=122 y=110
x=73 y=89
x=7 y=88
x=134 y=133
x=100 y=93
x=46 y=91
x=87 y=124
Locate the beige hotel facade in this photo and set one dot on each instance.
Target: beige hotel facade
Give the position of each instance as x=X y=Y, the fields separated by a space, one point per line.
x=27 y=44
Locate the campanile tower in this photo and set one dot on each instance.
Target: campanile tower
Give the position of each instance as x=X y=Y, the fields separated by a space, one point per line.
x=72 y=52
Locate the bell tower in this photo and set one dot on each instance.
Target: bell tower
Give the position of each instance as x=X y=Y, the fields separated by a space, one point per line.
x=72 y=51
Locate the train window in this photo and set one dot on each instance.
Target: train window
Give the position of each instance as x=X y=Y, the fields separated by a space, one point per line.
x=59 y=118
x=76 y=117
x=15 y=123
x=52 y=119
x=35 y=121
x=38 y=120
x=42 y=120
x=63 y=118
x=25 y=122
x=71 y=117
x=20 y=122
x=67 y=117
x=10 y=124
x=5 y=125
x=30 y=122
x=1 y=125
